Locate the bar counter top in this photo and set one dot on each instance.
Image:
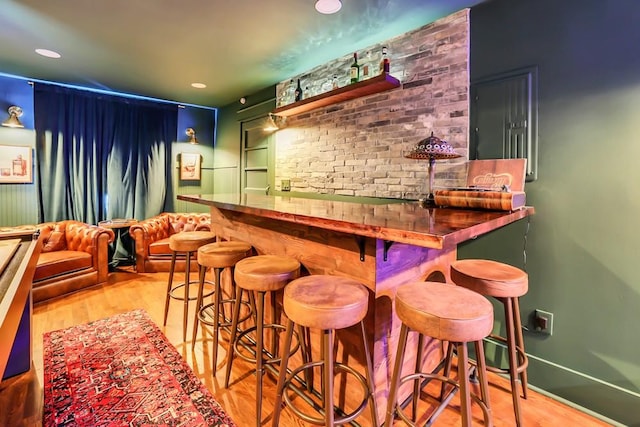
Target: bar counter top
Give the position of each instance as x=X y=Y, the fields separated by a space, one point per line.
x=404 y=222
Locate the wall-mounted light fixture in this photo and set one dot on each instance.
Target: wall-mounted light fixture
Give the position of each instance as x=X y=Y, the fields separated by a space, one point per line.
x=328 y=6
x=13 y=121
x=274 y=123
x=191 y=133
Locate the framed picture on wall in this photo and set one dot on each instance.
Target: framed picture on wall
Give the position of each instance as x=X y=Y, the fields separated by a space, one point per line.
x=16 y=164
x=190 y=166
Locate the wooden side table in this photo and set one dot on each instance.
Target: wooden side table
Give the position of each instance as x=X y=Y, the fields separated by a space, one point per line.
x=120 y=227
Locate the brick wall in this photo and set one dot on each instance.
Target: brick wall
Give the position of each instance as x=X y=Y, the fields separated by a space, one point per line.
x=357 y=147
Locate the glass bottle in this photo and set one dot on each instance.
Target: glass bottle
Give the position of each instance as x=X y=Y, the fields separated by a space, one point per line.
x=291 y=95
x=298 y=92
x=367 y=66
x=334 y=82
x=384 y=63
x=354 y=71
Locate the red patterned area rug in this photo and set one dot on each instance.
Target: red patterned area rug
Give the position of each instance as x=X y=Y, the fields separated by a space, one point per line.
x=122 y=371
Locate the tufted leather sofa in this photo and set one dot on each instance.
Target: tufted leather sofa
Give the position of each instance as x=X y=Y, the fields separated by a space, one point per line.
x=152 y=239
x=74 y=255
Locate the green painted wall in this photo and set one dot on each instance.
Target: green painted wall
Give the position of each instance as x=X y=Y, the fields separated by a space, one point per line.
x=227 y=166
x=203 y=121
x=583 y=244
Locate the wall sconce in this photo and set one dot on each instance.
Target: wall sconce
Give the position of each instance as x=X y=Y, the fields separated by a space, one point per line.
x=274 y=123
x=13 y=121
x=328 y=6
x=191 y=133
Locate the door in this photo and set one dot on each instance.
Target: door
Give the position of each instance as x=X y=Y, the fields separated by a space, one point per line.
x=504 y=119
x=256 y=152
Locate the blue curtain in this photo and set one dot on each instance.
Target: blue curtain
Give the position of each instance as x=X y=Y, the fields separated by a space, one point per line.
x=101 y=156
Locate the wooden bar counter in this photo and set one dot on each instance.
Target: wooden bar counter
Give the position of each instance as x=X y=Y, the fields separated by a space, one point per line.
x=381 y=245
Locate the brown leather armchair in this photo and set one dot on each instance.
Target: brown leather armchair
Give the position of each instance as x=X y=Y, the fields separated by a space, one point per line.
x=74 y=255
x=152 y=239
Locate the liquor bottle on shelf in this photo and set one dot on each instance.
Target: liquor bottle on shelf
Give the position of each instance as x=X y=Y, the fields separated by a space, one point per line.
x=367 y=66
x=384 y=63
x=334 y=82
x=298 y=92
x=354 y=71
x=290 y=96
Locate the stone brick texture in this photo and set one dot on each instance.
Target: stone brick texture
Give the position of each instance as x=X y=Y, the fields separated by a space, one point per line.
x=358 y=147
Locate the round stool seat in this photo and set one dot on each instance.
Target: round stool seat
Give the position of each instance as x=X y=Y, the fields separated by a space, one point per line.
x=190 y=241
x=325 y=302
x=490 y=278
x=222 y=254
x=444 y=311
x=266 y=273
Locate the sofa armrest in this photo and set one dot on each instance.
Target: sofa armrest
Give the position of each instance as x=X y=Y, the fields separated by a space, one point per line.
x=146 y=232
x=93 y=240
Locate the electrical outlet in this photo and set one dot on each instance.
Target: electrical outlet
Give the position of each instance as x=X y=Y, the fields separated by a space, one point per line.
x=285 y=185
x=543 y=322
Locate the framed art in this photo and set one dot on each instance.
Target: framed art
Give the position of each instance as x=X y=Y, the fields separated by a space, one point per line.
x=16 y=165
x=190 y=167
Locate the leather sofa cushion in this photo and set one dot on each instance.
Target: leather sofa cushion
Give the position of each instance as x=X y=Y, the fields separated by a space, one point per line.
x=54 y=239
x=51 y=264
x=160 y=247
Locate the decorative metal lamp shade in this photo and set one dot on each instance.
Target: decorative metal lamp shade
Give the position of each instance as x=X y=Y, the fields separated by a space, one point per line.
x=432 y=148
x=13 y=121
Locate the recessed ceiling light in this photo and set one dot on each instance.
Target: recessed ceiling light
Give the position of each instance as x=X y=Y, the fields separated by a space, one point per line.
x=328 y=6
x=48 y=53
x=199 y=85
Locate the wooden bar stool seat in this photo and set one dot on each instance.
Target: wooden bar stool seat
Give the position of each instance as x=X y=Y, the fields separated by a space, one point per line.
x=447 y=313
x=186 y=242
x=219 y=256
x=327 y=303
x=506 y=283
x=260 y=274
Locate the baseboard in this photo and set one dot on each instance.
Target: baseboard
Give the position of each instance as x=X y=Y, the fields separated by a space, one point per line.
x=608 y=402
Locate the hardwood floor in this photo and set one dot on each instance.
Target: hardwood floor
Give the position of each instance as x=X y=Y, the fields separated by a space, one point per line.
x=127 y=290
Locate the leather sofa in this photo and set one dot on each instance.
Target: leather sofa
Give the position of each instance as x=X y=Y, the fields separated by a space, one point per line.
x=74 y=255
x=152 y=235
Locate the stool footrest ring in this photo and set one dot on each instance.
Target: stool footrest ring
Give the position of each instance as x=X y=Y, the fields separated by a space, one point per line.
x=320 y=421
x=251 y=342
x=173 y=292
x=205 y=314
x=456 y=386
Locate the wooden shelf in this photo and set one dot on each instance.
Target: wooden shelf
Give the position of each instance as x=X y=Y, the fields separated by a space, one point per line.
x=370 y=86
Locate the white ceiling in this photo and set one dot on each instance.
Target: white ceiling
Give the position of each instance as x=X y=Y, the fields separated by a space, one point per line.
x=157 y=48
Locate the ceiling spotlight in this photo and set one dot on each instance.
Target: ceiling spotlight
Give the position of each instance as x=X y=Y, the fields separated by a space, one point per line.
x=191 y=133
x=48 y=53
x=198 y=85
x=328 y=6
x=13 y=121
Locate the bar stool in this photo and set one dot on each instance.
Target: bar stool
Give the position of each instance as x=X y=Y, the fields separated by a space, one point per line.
x=187 y=242
x=259 y=274
x=447 y=313
x=327 y=303
x=219 y=256
x=506 y=283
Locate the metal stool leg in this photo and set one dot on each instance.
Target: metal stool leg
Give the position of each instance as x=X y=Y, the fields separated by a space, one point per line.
x=327 y=337
x=216 y=318
x=233 y=335
x=513 y=359
x=185 y=305
x=520 y=344
x=284 y=360
x=169 y=283
x=196 y=319
x=259 y=355
x=395 y=379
